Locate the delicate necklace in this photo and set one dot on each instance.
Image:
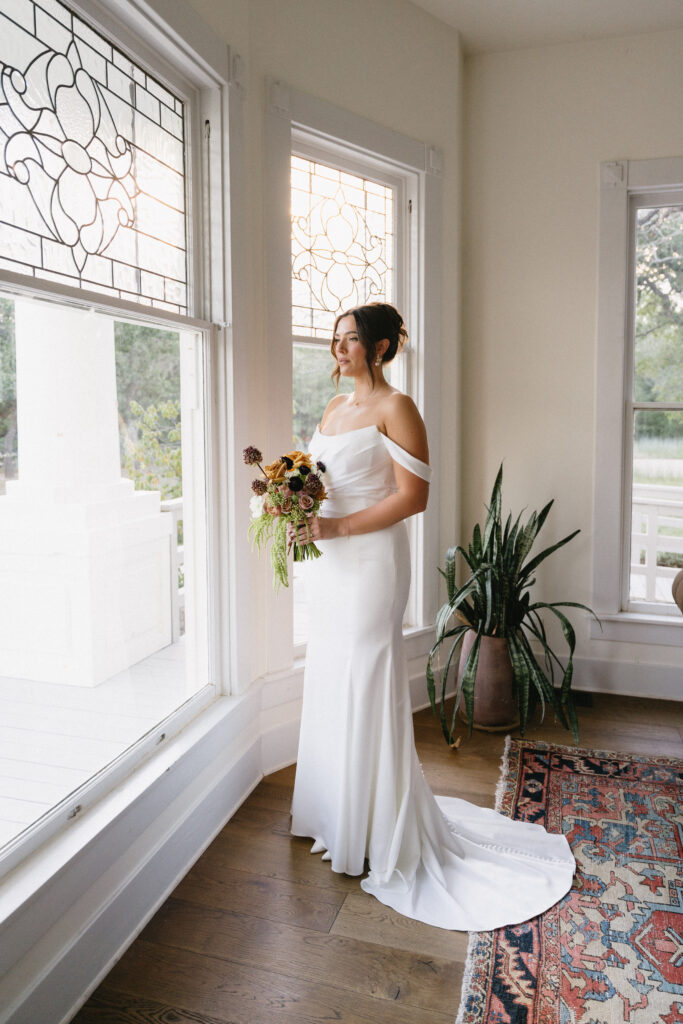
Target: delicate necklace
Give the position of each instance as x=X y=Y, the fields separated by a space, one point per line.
x=361 y=401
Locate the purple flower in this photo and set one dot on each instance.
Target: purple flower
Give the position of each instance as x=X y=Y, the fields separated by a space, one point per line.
x=321 y=466
x=295 y=483
x=252 y=455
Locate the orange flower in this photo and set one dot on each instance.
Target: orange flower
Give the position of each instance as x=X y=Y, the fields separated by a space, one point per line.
x=276 y=470
x=299 y=459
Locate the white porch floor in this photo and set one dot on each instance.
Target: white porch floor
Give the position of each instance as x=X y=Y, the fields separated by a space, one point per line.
x=54 y=737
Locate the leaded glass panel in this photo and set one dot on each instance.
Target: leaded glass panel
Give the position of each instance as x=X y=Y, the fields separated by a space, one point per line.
x=342 y=244
x=92 y=161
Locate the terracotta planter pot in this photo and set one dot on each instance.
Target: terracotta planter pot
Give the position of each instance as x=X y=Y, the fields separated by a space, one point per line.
x=495 y=706
x=677 y=589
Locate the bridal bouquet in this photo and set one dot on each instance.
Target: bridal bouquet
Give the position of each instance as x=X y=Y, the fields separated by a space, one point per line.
x=290 y=491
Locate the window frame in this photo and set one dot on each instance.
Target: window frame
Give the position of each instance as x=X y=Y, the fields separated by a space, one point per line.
x=623 y=186
x=405 y=217
x=181 y=52
x=290 y=115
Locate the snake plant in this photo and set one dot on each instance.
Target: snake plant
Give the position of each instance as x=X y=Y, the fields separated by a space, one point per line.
x=494 y=600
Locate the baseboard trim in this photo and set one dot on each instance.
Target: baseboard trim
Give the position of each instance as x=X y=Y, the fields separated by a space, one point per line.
x=58 y=944
x=629 y=678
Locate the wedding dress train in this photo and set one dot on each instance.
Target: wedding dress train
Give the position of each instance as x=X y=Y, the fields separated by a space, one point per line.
x=359 y=791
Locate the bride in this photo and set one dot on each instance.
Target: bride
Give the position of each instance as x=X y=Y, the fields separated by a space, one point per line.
x=359 y=791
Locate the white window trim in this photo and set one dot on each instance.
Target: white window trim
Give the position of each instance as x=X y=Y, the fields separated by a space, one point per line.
x=619 y=181
x=289 y=110
x=180 y=50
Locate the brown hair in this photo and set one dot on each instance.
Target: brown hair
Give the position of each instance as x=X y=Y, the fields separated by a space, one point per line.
x=374 y=322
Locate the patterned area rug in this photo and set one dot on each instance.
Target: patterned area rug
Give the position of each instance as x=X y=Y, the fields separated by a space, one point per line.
x=611 y=952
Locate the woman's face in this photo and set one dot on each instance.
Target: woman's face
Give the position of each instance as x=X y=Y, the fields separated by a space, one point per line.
x=349 y=349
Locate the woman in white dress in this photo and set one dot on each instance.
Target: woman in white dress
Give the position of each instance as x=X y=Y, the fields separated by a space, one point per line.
x=359 y=792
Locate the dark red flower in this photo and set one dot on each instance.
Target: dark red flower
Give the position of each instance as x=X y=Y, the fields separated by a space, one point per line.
x=314 y=484
x=252 y=455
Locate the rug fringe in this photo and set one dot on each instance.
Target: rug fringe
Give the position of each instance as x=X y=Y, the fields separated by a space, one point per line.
x=503 y=774
x=475 y=936
x=467 y=976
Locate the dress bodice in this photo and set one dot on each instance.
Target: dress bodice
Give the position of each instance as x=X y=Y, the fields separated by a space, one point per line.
x=360 y=468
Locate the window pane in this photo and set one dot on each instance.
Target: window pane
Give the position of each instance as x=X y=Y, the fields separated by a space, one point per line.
x=313 y=388
x=92 y=171
x=102 y=543
x=342 y=245
x=657 y=519
x=658 y=359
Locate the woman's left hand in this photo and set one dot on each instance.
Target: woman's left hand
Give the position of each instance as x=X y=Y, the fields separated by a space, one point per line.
x=314 y=529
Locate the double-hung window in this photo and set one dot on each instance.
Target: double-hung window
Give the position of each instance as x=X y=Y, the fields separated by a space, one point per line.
x=354 y=215
x=109 y=281
x=352 y=241
x=639 y=479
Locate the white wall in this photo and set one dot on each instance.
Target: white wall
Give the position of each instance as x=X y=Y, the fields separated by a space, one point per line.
x=537 y=124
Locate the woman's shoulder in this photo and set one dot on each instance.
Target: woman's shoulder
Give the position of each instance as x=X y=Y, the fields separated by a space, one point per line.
x=399 y=411
x=403 y=424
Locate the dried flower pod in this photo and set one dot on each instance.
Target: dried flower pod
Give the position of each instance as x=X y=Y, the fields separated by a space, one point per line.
x=259 y=486
x=314 y=484
x=252 y=455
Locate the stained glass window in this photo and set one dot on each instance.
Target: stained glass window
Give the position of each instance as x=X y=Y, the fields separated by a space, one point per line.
x=92 y=162
x=342 y=244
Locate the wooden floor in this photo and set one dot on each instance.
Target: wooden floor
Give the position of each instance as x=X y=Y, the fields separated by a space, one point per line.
x=261 y=932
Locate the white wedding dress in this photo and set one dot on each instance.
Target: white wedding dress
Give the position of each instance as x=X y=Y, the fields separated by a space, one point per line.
x=359 y=791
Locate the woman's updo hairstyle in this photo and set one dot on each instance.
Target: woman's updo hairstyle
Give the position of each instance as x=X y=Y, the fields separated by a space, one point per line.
x=374 y=322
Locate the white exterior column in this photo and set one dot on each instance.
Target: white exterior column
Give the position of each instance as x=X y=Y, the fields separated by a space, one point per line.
x=85 y=582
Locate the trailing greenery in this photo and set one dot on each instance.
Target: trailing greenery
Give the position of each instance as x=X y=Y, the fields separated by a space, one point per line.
x=494 y=600
x=266 y=528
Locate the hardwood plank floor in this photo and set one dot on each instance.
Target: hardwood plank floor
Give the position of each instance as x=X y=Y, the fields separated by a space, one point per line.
x=261 y=932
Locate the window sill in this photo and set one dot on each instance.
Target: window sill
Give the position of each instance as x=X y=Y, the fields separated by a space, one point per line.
x=637 y=628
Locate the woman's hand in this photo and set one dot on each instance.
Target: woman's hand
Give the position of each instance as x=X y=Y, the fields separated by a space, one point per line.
x=316 y=528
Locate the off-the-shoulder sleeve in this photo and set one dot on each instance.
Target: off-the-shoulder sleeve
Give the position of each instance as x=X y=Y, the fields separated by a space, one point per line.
x=407 y=460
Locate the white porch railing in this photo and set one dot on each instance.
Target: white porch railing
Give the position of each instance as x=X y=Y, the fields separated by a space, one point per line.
x=654 y=509
x=175 y=507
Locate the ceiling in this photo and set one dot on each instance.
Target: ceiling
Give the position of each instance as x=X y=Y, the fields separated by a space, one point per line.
x=494 y=25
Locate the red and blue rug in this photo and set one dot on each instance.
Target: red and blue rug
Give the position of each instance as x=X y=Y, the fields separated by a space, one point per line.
x=611 y=952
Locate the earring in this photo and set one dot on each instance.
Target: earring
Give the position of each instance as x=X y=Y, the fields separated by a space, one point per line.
x=378 y=361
